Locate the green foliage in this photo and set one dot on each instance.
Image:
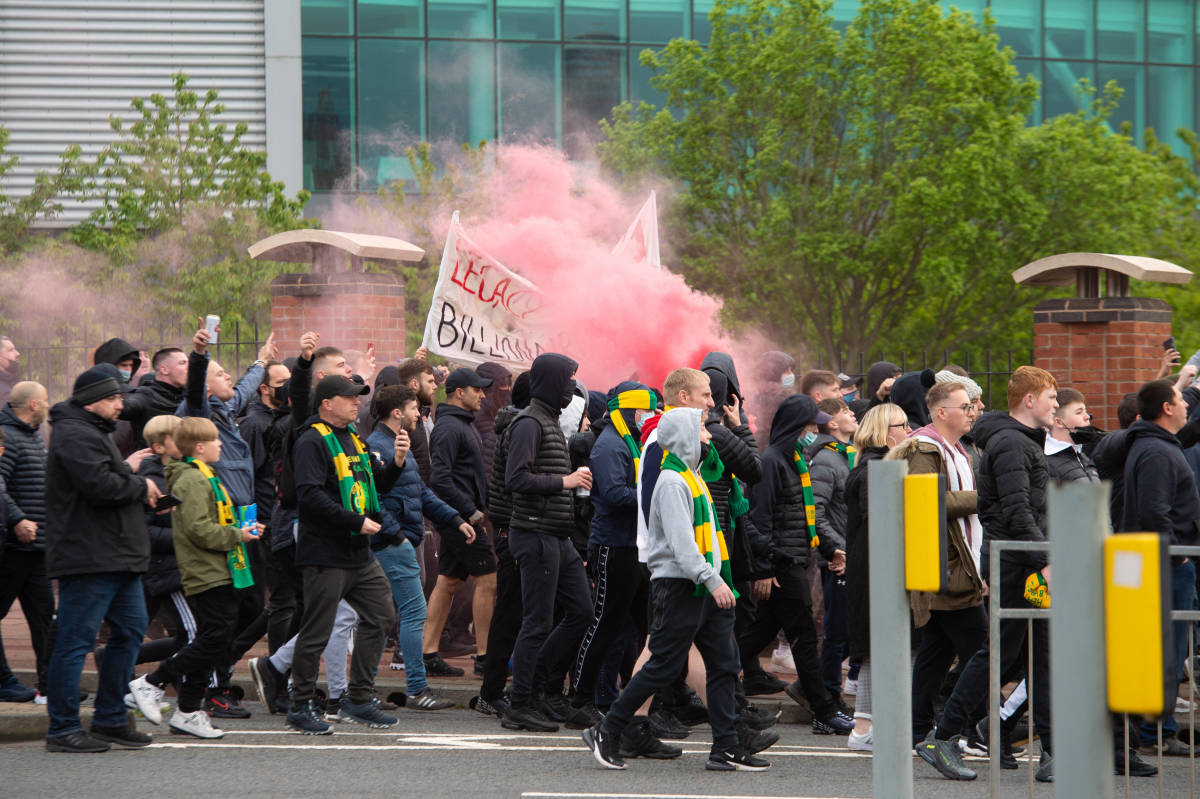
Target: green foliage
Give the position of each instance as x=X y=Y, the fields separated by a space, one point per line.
x=876 y=187
x=16 y=215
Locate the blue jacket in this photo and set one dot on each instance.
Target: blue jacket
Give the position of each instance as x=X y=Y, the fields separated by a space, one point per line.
x=409 y=500
x=237 y=461
x=614 y=483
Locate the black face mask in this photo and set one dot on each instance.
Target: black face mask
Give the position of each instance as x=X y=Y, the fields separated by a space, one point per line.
x=568 y=395
x=281 y=395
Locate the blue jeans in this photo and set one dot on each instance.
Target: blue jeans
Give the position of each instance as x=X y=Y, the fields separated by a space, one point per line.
x=1183 y=597
x=399 y=563
x=84 y=601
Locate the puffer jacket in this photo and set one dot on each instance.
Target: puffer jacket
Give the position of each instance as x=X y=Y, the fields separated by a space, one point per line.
x=409 y=500
x=163 y=575
x=964 y=587
x=499 y=498
x=1012 y=485
x=23 y=470
x=858 y=555
x=1067 y=464
x=829 y=469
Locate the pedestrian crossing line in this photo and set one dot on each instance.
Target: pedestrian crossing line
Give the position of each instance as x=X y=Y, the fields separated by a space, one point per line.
x=550 y=795
x=424 y=744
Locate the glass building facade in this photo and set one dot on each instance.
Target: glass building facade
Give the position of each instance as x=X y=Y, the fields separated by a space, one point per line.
x=382 y=74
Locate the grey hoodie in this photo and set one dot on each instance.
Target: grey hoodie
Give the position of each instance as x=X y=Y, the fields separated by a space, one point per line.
x=671 y=549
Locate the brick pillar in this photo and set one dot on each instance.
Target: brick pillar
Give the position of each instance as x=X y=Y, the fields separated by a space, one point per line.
x=348 y=309
x=1104 y=347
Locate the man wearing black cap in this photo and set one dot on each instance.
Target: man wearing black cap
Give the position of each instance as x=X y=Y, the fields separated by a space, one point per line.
x=337 y=492
x=459 y=479
x=783 y=509
x=97 y=548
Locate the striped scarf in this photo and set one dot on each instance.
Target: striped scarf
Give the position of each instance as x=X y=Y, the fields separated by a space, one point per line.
x=810 y=504
x=709 y=540
x=712 y=469
x=239 y=565
x=638 y=399
x=845 y=449
x=358 y=494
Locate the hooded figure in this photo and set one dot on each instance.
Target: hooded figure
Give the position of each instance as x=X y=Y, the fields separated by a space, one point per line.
x=495 y=397
x=723 y=363
x=909 y=393
x=614 y=480
x=116 y=350
x=571 y=418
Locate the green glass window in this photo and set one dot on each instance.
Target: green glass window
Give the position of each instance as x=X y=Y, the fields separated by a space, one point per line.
x=463 y=19
x=640 y=89
x=327 y=16
x=1119 y=30
x=657 y=21
x=1060 y=92
x=530 y=87
x=1131 y=107
x=594 y=20
x=1170 y=104
x=461 y=91
x=1070 y=29
x=844 y=12
x=1019 y=24
x=593 y=84
x=1170 y=26
x=391 y=18
x=701 y=26
x=328 y=90
x=391 y=88
x=527 y=19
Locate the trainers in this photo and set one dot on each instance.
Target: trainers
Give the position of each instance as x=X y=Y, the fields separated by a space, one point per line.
x=1171 y=747
x=436 y=667
x=796 y=694
x=735 y=759
x=664 y=725
x=850 y=688
x=194 y=723
x=782 y=660
x=606 y=751
x=77 y=742
x=1137 y=766
x=222 y=704
x=132 y=705
x=637 y=740
x=838 y=723
x=527 y=718
x=429 y=699
x=11 y=690
x=39 y=698
x=861 y=743
x=481 y=705
x=977 y=744
x=945 y=757
x=755 y=741
x=397 y=663
x=267 y=682
x=306 y=718
x=479 y=663
x=148 y=698
x=693 y=712
x=554 y=706
x=580 y=718
x=759 y=718
x=1045 y=772
x=332 y=708
x=395 y=700
x=365 y=713
x=126 y=736
x=762 y=683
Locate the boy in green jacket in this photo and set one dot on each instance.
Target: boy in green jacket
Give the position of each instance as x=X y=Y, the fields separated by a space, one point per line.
x=209 y=548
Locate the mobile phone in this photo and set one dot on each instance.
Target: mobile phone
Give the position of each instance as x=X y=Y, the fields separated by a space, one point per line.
x=211 y=322
x=168 y=501
x=1169 y=344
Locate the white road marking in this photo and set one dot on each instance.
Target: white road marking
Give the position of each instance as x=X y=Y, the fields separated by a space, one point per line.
x=548 y=795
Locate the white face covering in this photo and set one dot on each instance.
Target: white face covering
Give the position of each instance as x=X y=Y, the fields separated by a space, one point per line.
x=640 y=417
x=789 y=380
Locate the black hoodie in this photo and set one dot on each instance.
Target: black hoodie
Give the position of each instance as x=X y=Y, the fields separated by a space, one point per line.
x=1160 y=489
x=1012 y=485
x=909 y=393
x=552 y=385
x=116 y=350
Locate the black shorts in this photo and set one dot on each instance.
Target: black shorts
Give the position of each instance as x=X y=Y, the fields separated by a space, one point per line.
x=458 y=559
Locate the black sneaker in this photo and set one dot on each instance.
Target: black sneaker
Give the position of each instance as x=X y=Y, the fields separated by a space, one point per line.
x=693 y=712
x=945 y=757
x=1137 y=766
x=554 y=706
x=527 y=718
x=664 y=725
x=222 y=704
x=758 y=718
x=735 y=759
x=481 y=705
x=283 y=701
x=436 y=667
x=591 y=711
x=796 y=694
x=429 y=699
x=306 y=718
x=332 y=708
x=755 y=741
x=638 y=741
x=395 y=700
x=267 y=682
x=606 y=751
x=762 y=683
x=77 y=742
x=1045 y=772
x=365 y=713
x=480 y=662
x=126 y=736
x=979 y=740
x=838 y=723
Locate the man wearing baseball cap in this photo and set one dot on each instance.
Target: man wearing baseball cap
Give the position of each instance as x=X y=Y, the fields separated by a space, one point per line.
x=337 y=493
x=783 y=509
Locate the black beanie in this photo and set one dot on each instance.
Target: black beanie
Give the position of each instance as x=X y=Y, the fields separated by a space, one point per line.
x=95 y=384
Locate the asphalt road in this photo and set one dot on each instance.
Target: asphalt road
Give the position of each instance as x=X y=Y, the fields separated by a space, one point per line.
x=459 y=753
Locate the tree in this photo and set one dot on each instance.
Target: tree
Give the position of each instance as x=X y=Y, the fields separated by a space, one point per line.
x=17 y=214
x=877 y=185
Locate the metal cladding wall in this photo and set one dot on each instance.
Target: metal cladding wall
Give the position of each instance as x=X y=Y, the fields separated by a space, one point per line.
x=65 y=67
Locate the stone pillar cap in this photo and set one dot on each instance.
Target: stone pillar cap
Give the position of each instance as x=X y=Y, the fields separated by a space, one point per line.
x=309 y=247
x=1061 y=270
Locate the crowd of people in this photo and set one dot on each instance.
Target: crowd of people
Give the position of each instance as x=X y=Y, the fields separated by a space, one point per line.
x=624 y=546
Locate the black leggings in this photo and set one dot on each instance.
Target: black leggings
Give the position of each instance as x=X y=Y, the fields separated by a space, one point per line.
x=622 y=592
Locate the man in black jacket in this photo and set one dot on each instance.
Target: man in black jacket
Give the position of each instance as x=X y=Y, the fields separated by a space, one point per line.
x=337 y=491
x=97 y=547
x=1065 y=458
x=23 y=565
x=1012 y=507
x=459 y=479
x=161 y=395
x=538 y=475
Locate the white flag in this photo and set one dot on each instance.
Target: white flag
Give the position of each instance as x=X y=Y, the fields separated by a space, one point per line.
x=640 y=242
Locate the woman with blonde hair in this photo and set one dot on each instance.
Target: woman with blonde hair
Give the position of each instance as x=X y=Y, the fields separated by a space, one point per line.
x=882 y=427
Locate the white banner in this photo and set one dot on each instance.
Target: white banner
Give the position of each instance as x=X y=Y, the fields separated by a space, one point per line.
x=640 y=242
x=481 y=310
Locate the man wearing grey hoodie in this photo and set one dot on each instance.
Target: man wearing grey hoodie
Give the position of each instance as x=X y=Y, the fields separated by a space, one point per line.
x=691 y=601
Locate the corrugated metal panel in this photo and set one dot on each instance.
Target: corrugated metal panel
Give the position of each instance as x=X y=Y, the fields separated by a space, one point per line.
x=65 y=67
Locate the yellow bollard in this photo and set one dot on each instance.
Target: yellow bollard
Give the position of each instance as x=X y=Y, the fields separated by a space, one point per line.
x=925 y=532
x=1137 y=621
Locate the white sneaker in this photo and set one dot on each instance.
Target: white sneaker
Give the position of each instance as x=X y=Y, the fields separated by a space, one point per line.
x=850 y=688
x=781 y=660
x=194 y=723
x=1181 y=705
x=148 y=699
x=861 y=743
x=39 y=698
x=132 y=705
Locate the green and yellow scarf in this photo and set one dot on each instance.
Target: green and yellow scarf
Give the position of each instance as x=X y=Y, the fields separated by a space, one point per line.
x=810 y=504
x=709 y=540
x=712 y=469
x=239 y=565
x=640 y=400
x=845 y=449
x=358 y=494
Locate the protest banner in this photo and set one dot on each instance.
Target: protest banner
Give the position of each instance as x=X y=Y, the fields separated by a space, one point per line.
x=640 y=242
